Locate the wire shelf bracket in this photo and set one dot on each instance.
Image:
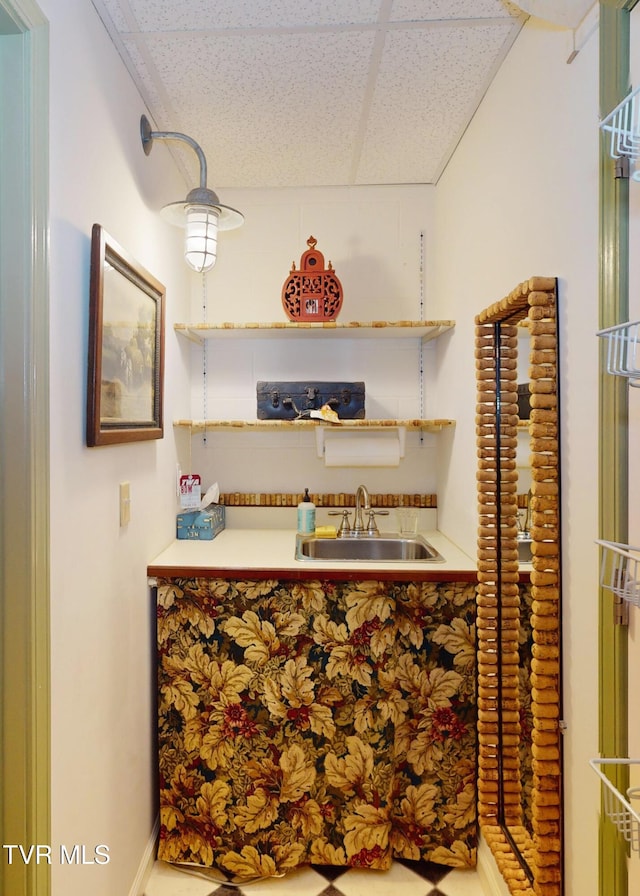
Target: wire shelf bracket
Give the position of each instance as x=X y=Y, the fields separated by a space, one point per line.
x=623 y=125
x=618 y=808
x=620 y=570
x=623 y=350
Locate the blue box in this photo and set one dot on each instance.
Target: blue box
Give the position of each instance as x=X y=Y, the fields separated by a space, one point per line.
x=202 y=525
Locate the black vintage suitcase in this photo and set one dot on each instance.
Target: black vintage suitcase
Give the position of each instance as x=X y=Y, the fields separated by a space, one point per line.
x=291 y=401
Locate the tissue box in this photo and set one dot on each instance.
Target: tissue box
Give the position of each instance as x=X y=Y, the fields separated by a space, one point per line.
x=201 y=524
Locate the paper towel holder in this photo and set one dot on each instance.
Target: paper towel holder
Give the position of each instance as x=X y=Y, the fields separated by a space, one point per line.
x=365 y=432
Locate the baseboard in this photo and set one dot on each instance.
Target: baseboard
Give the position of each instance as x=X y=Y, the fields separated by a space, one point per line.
x=491 y=881
x=146 y=863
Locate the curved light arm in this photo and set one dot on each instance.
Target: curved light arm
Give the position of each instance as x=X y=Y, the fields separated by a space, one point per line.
x=201 y=213
x=148 y=136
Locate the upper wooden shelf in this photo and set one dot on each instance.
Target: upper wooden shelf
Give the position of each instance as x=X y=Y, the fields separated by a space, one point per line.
x=425 y=330
x=197 y=426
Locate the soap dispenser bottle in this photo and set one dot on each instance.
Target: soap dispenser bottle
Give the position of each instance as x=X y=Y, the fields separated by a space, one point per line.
x=306 y=515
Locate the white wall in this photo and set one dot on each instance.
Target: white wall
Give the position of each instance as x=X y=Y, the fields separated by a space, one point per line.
x=377 y=239
x=101 y=617
x=519 y=199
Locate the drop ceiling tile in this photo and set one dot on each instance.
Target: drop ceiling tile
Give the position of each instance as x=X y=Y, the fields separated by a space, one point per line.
x=312 y=92
x=191 y=15
x=419 y=107
x=257 y=123
x=427 y=10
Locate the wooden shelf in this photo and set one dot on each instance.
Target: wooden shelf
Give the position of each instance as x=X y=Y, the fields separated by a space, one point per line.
x=424 y=331
x=197 y=426
x=401 y=329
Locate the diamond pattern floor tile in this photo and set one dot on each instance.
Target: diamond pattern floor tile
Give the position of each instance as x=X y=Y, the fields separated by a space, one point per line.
x=428 y=870
x=330 y=872
x=403 y=879
x=461 y=883
x=399 y=880
x=302 y=882
x=166 y=880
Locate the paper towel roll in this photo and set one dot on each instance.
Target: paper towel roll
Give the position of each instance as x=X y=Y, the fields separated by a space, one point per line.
x=361 y=451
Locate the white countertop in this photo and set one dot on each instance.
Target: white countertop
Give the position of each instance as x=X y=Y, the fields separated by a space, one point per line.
x=265 y=549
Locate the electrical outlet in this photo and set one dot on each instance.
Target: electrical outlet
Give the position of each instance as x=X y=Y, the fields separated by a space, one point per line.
x=125 y=503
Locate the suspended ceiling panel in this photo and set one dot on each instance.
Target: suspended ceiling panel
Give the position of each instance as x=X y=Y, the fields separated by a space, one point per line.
x=313 y=92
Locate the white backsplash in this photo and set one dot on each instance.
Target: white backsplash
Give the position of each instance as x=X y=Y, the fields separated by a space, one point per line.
x=285 y=518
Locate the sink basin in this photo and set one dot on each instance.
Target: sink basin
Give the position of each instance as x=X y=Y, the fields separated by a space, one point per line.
x=370 y=549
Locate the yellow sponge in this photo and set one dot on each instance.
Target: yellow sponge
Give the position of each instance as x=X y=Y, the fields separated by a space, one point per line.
x=326 y=532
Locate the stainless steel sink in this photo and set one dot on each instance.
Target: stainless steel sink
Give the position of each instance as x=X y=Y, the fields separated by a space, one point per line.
x=370 y=549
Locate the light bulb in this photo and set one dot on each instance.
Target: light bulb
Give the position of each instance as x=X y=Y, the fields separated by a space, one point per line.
x=201 y=237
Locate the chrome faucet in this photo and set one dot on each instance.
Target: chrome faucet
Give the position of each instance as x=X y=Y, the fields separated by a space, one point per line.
x=363 y=503
x=358 y=525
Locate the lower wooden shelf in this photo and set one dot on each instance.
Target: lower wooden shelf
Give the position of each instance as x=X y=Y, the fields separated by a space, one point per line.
x=197 y=426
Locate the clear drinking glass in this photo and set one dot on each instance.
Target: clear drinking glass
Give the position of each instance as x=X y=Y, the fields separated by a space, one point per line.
x=407 y=521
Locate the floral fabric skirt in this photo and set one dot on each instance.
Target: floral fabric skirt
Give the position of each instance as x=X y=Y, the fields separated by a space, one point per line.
x=321 y=722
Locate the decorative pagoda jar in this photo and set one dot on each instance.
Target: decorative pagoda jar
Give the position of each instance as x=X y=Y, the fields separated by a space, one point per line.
x=313 y=292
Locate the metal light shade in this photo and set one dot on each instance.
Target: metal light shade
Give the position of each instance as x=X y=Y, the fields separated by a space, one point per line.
x=201 y=213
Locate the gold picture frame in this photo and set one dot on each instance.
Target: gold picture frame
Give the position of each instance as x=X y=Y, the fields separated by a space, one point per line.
x=125 y=376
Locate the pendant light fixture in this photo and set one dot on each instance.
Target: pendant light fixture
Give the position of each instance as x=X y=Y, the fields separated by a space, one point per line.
x=201 y=213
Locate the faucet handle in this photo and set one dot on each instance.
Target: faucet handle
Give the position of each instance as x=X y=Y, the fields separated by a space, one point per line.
x=372 y=528
x=345 y=525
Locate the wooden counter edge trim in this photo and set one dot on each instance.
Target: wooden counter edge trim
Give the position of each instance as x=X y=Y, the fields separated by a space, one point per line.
x=305 y=573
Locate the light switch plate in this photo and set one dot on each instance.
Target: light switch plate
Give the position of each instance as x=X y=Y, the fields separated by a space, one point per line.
x=125 y=503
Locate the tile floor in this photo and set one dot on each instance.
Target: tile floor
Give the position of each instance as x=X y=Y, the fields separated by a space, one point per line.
x=410 y=879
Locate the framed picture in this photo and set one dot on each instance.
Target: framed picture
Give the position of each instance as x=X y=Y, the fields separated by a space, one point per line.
x=126 y=347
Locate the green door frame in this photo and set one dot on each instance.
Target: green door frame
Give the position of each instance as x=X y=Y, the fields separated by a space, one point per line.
x=24 y=448
x=613 y=429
